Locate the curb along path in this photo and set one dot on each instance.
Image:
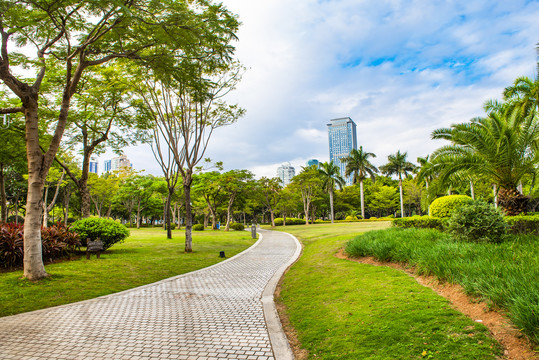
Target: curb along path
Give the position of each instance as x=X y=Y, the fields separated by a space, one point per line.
x=219 y=312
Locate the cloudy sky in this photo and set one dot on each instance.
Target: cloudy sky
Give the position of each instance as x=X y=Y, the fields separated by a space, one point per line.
x=399 y=69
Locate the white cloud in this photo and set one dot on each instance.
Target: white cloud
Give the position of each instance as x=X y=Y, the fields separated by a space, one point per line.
x=399 y=69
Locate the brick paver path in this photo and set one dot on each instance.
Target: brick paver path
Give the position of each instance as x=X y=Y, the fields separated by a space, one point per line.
x=214 y=313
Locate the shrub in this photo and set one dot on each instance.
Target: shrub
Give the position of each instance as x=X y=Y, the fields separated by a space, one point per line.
x=420 y=222
x=237 y=226
x=57 y=242
x=444 y=206
x=11 y=245
x=289 y=221
x=107 y=230
x=478 y=221
x=523 y=224
x=351 y=218
x=198 y=227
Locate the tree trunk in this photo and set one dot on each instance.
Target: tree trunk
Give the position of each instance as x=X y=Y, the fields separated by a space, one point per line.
x=229 y=211
x=167 y=213
x=362 y=196
x=33 y=257
x=472 y=190
x=272 y=217
x=402 y=203
x=138 y=215
x=213 y=219
x=495 y=192
x=331 y=205
x=38 y=167
x=188 y=215
x=67 y=196
x=85 y=199
x=45 y=222
x=3 y=197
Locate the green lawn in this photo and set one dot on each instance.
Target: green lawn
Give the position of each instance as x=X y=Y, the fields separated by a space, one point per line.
x=145 y=257
x=346 y=310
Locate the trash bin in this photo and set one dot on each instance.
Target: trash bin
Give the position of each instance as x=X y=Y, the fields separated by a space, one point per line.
x=218 y=225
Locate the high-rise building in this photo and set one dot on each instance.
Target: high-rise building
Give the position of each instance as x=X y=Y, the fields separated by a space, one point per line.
x=286 y=172
x=312 y=162
x=107 y=165
x=93 y=166
x=342 y=139
x=120 y=162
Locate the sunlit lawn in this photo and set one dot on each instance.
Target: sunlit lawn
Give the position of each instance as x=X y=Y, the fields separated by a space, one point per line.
x=347 y=310
x=145 y=257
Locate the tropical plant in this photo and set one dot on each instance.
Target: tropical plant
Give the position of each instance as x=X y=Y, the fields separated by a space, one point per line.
x=501 y=148
x=331 y=176
x=358 y=164
x=399 y=166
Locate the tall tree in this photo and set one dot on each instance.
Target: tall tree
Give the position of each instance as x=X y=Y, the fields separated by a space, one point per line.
x=210 y=186
x=187 y=106
x=331 y=177
x=75 y=36
x=270 y=191
x=358 y=163
x=233 y=183
x=99 y=118
x=307 y=183
x=399 y=166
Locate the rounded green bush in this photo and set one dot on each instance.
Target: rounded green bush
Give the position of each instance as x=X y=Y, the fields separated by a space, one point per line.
x=351 y=218
x=198 y=227
x=107 y=230
x=444 y=206
x=477 y=221
x=237 y=226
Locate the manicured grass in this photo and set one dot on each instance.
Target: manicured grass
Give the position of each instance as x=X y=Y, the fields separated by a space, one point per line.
x=505 y=275
x=145 y=257
x=347 y=310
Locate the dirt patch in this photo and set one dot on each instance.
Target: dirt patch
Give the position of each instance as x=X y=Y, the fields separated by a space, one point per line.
x=516 y=345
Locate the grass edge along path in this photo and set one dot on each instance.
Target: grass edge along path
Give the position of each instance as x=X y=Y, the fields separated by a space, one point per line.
x=502 y=275
x=145 y=257
x=344 y=310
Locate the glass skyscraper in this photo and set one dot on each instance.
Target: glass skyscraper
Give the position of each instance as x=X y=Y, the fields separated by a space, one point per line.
x=342 y=139
x=286 y=172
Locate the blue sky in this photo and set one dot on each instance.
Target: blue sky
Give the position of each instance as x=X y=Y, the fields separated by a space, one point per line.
x=399 y=69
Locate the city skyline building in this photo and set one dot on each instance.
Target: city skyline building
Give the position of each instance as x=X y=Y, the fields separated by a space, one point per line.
x=342 y=139
x=286 y=172
x=120 y=162
x=93 y=166
x=107 y=165
x=312 y=162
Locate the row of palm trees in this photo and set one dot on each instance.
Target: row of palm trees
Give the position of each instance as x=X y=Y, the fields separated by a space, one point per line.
x=360 y=168
x=501 y=148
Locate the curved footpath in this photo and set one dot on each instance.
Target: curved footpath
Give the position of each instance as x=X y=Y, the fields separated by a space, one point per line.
x=225 y=311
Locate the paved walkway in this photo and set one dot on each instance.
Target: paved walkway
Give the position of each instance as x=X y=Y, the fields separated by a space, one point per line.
x=221 y=312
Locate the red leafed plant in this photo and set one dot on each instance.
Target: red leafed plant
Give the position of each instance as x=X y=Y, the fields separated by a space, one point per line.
x=57 y=242
x=11 y=245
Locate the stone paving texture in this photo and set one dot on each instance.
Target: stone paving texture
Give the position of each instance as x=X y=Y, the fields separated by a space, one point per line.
x=213 y=313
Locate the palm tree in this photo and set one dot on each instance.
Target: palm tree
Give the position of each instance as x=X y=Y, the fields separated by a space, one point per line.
x=331 y=176
x=501 y=147
x=357 y=163
x=398 y=165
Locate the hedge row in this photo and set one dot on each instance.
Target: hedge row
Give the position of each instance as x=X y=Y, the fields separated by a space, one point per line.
x=520 y=224
x=296 y=221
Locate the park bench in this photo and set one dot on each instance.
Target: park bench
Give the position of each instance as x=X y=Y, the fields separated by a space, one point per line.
x=94 y=246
